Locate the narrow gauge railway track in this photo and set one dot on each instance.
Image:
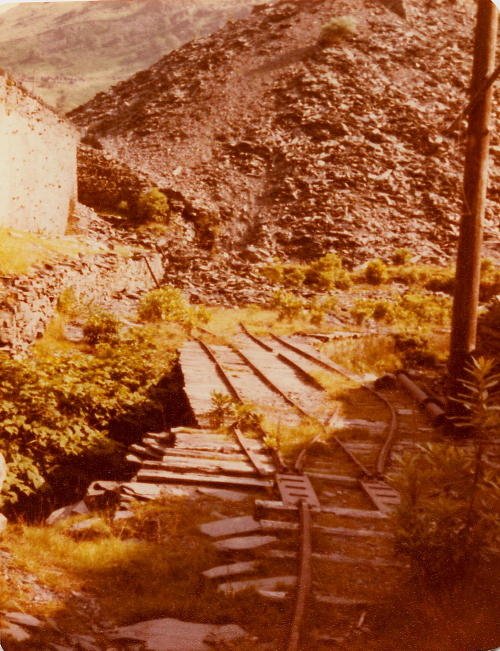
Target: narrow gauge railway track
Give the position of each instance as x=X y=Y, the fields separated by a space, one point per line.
x=326 y=516
x=334 y=487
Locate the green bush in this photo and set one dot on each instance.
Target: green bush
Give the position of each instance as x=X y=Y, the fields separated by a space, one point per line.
x=448 y=519
x=101 y=327
x=68 y=303
x=319 y=308
x=274 y=273
x=294 y=275
x=401 y=256
x=289 y=306
x=413 y=310
x=288 y=275
x=338 y=28
x=490 y=280
x=376 y=272
x=57 y=408
x=153 y=206
x=326 y=273
x=164 y=304
x=169 y=304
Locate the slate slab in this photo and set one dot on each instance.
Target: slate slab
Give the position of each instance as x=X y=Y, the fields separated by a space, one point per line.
x=230 y=526
x=223 y=494
x=224 y=571
x=175 y=635
x=244 y=542
x=271 y=583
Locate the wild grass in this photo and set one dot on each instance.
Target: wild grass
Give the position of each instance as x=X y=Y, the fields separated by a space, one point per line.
x=289 y=440
x=373 y=354
x=144 y=567
x=21 y=251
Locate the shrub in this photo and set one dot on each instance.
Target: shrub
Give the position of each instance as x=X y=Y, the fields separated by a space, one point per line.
x=169 y=304
x=207 y=226
x=287 y=305
x=57 y=408
x=448 y=520
x=338 y=28
x=101 y=327
x=293 y=275
x=401 y=256
x=153 y=206
x=326 y=273
x=319 y=308
x=68 y=302
x=288 y=275
x=164 y=304
x=441 y=280
x=274 y=273
x=361 y=311
x=376 y=272
x=480 y=397
x=412 y=310
x=247 y=418
x=415 y=350
x=490 y=280
x=443 y=527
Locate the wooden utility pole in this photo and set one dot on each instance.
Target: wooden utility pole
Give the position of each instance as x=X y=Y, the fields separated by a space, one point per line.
x=468 y=266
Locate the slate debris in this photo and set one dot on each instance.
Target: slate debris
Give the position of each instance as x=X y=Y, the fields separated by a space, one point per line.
x=295 y=149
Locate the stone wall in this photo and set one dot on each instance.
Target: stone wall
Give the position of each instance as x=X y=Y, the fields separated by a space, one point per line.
x=110 y=280
x=38 y=181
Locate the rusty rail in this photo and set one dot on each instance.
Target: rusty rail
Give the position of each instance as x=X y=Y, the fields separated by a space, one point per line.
x=304 y=578
x=240 y=399
x=383 y=455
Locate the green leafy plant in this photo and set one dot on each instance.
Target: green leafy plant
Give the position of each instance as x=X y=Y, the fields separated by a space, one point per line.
x=376 y=272
x=326 y=273
x=153 y=206
x=247 y=417
x=448 y=520
x=401 y=256
x=289 y=306
x=169 y=304
x=101 y=327
x=223 y=408
x=412 y=310
x=61 y=407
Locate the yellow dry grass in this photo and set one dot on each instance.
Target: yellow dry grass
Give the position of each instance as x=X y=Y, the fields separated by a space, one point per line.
x=21 y=251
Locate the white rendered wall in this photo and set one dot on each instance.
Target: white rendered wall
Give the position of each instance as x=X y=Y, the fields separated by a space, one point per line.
x=37 y=163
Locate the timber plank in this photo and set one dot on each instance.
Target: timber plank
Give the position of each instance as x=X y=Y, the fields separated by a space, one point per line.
x=164 y=476
x=189 y=464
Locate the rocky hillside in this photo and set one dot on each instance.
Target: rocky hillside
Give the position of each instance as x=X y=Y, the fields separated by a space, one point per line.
x=67 y=52
x=297 y=146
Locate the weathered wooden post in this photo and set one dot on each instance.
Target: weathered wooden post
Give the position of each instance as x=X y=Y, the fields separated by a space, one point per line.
x=468 y=265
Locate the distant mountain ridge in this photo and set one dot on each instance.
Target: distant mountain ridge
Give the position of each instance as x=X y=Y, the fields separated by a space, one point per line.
x=66 y=52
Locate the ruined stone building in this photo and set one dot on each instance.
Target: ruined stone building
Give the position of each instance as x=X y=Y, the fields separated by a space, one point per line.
x=38 y=178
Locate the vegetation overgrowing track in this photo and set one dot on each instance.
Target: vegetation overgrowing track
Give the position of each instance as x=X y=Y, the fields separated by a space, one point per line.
x=280 y=374
x=333 y=434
